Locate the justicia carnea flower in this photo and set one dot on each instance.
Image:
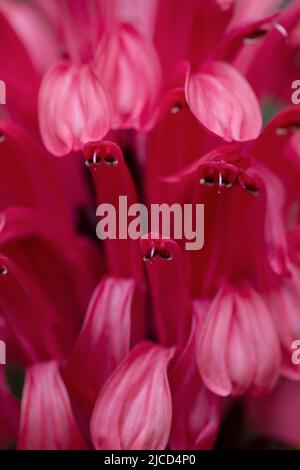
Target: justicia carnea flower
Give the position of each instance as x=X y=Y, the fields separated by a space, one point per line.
x=138 y=343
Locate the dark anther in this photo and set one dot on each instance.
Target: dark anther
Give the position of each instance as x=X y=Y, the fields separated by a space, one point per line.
x=253 y=36
x=110 y=160
x=251 y=189
x=2 y=137
x=3 y=270
x=165 y=254
x=226 y=183
x=155 y=252
x=292 y=126
x=152 y=253
x=208 y=180
x=93 y=161
x=176 y=108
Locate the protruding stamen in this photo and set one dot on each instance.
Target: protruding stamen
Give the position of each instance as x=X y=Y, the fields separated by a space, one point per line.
x=165 y=254
x=176 y=108
x=208 y=181
x=281 y=131
x=293 y=126
x=281 y=29
x=223 y=176
x=220 y=182
x=94 y=161
x=150 y=255
x=251 y=189
x=3 y=270
x=226 y=183
x=111 y=160
x=253 y=36
x=155 y=252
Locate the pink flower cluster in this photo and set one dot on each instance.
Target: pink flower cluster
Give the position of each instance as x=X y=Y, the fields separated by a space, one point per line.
x=140 y=344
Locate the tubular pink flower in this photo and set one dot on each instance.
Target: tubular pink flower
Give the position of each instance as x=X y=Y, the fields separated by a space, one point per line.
x=172 y=313
x=112 y=179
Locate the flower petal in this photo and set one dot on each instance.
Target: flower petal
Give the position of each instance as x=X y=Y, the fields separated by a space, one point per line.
x=128 y=65
x=277 y=415
x=224 y=102
x=9 y=413
x=196 y=420
x=73 y=108
x=233 y=358
x=105 y=335
x=47 y=421
x=134 y=410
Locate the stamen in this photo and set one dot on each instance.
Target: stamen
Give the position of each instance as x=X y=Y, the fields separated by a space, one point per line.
x=220 y=182
x=281 y=29
x=293 y=126
x=151 y=255
x=94 y=161
x=165 y=254
x=154 y=252
x=176 y=108
x=111 y=160
x=2 y=137
x=3 y=270
x=209 y=181
x=251 y=189
x=253 y=36
x=226 y=183
x=281 y=131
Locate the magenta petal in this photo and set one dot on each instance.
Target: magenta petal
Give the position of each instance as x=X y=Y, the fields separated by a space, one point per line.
x=103 y=342
x=26 y=177
x=232 y=357
x=134 y=410
x=277 y=415
x=19 y=76
x=128 y=65
x=224 y=102
x=47 y=421
x=196 y=410
x=9 y=412
x=252 y=10
x=74 y=108
x=31 y=239
x=34 y=329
